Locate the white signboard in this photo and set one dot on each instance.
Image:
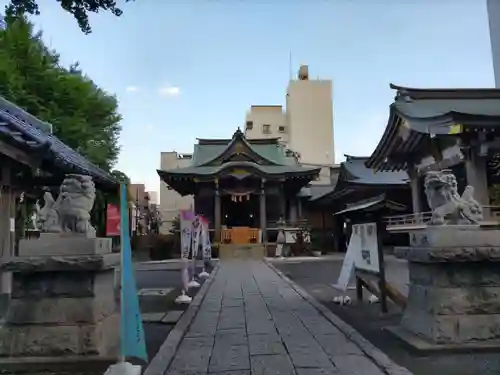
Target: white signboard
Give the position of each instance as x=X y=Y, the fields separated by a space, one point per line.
x=291 y=235
x=347 y=267
x=364 y=239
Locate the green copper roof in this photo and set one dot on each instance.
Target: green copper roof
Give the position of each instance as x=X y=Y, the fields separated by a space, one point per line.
x=274 y=152
x=265 y=156
x=266 y=169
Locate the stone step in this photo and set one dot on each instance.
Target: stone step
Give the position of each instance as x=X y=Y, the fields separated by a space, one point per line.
x=246 y=251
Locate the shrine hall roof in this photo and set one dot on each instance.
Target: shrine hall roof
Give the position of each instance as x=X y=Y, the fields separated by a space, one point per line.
x=212 y=170
x=25 y=131
x=354 y=174
x=416 y=114
x=265 y=155
x=354 y=170
x=238 y=157
x=270 y=149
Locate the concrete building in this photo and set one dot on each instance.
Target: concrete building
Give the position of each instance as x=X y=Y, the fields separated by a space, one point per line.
x=266 y=121
x=171 y=201
x=306 y=124
x=493 y=7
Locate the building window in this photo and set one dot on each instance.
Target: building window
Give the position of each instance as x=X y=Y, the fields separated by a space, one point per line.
x=249 y=125
x=281 y=129
x=266 y=129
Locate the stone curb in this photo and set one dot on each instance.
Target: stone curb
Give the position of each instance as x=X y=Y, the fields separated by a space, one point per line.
x=161 y=361
x=169 y=261
x=371 y=351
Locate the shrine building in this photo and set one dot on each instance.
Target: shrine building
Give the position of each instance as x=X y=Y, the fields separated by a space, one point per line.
x=242 y=183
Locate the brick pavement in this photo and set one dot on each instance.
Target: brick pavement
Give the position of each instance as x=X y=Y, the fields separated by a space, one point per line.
x=252 y=322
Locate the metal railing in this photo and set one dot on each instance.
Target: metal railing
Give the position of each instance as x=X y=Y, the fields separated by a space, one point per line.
x=420 y=218
x=423 y=218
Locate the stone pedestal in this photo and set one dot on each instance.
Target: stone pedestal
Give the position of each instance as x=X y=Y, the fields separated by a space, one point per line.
x=62 y=306
x=64 y=244
x=454 y=291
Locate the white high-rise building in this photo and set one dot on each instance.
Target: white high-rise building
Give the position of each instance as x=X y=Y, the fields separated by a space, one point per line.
x=306 y=124
x=493 y=7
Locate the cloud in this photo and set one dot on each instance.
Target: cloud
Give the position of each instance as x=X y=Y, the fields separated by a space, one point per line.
x=149 y=127
x=169 y=91
x=131 y=89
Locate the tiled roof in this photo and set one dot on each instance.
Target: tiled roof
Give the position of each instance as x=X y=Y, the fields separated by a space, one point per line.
x=207 y=150
x=359 y=173
x=210 y=170
x=26 y=131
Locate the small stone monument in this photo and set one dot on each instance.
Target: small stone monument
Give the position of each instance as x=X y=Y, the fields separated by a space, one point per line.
x=63 y=302
x=453 y=262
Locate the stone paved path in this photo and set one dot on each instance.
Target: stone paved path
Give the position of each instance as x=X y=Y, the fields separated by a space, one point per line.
x=252 y=322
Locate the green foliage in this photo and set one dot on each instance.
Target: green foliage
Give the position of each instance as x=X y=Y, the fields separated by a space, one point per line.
x=175 y=231
x=495 y=195
x=80 y=9
x=82 y=115
x=176 y=226
x=120 y=176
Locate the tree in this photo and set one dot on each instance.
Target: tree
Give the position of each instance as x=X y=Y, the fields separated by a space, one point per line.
x=80 y=9
x=83 y=115
x=120 y=176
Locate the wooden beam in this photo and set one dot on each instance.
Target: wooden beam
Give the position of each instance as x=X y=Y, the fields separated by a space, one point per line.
x=19 y=155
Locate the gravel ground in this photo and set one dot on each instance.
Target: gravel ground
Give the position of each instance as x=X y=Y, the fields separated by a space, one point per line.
x=316 y=278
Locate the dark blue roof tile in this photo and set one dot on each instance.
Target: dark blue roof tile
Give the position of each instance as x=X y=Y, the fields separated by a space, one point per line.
x=27 y=131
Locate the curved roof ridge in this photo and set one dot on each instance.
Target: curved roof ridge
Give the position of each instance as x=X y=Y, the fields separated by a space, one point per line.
x=447 y=93
x=238 y=136
x=353 y=157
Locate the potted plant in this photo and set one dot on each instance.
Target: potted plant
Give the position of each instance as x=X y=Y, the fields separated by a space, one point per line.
x=315 y=245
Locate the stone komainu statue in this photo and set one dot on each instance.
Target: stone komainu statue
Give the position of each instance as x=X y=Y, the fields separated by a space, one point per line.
x=47 y=218
x=71 y=211
x=447 y=206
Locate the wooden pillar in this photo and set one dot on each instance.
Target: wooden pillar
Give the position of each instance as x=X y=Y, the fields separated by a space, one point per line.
x=217 y=212
x=282 y=198
x=262 y=211
x=476 y=172
x=416 y=189
x=299 y=208
x=7 y=225
x=293 y=211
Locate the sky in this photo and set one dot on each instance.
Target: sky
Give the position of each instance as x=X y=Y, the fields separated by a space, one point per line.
x=191 y=69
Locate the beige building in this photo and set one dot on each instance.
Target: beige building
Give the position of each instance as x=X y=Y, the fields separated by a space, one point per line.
x=266 y=121
x=171 y=201
x=305 y=125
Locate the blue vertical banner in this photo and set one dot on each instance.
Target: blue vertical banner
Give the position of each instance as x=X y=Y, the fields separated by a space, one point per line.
x=132 y=343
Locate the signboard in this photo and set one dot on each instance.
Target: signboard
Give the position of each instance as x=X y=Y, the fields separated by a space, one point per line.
x=112 y=220
x=292 y=233
x=364 y=238
x=347 y=269
x=186 y=219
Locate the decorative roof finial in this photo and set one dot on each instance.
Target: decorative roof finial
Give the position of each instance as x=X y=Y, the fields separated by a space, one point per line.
x=238 y=133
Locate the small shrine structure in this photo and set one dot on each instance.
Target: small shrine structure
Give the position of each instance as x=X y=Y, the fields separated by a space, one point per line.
x=362 y=194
